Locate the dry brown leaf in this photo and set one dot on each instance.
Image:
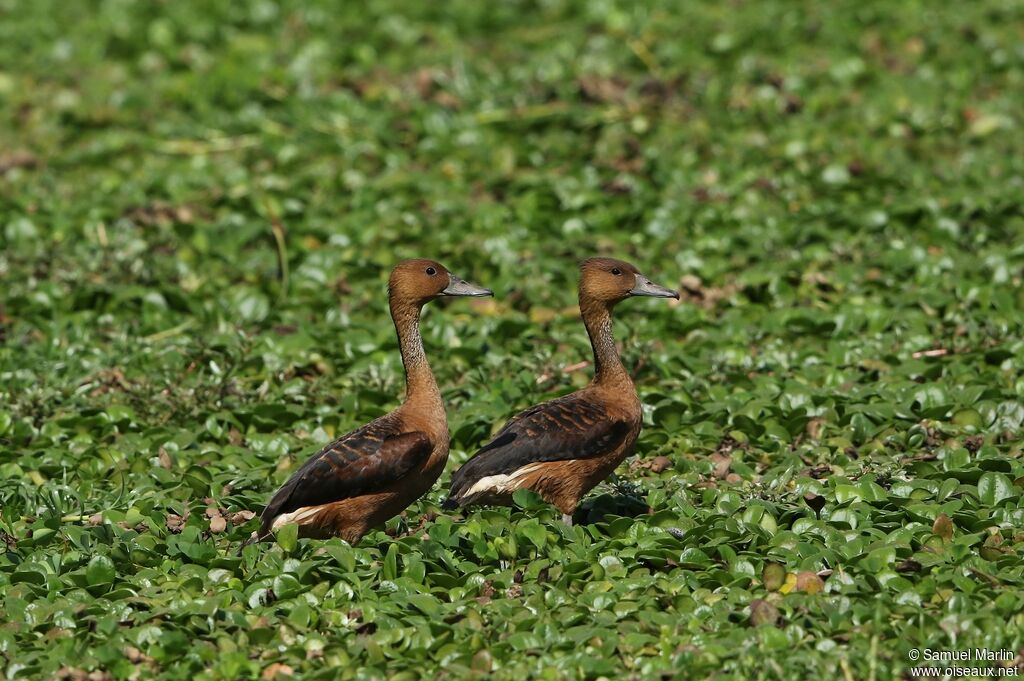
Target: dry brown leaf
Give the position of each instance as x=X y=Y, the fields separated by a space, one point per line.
x=17 y=159
x=763 y=612
x=482 y=662
x=175 y=523
x=660 y=463
x=447 y=100
x=423 y=80
x=809 y=582
x=943 y=527
x=161 y=213
x=568 y=369
x=935 y=352
x=601 y=89
x=76 y=674
x=973 y=443
x=814 y=428
x=277 y=669
x=720 y=465
x=136 y=656
x=692 y=289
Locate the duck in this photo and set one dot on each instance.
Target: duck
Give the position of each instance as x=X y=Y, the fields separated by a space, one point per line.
x=373 y=473
x=562 y=448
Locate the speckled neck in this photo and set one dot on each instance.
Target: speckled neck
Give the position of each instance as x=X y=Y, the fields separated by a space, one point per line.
x=420 y=384
x=608 y=368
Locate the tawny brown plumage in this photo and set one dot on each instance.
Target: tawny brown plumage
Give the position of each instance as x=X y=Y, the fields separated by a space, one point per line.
x=371 y=474
x=561 y=449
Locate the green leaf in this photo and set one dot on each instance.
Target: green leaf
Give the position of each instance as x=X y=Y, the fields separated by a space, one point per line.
x=528 y=500
x=100 y=571
x=287 y=537
x=995 y=487
x=848 y=493
x=428 y=605
x=535 y=533
x=287 y=586
x=390 y=568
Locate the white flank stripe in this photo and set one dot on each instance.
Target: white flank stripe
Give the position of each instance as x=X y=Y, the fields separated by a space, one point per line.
x=297 y=516
x=500 y=484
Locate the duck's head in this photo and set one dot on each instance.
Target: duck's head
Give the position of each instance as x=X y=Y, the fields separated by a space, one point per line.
x=608 y=281
x=421 y=280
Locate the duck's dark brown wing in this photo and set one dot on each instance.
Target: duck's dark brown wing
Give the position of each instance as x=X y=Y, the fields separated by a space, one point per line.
x=360 y=462
x=572 y=427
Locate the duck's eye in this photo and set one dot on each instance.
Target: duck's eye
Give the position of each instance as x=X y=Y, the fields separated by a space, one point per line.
x=617 y=272
x=431 y=271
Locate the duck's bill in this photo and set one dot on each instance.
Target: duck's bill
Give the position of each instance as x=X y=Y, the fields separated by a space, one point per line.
x=458 y=287
x=645 y=287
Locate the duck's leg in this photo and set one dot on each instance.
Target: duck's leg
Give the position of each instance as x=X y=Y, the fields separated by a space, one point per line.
x=254 y=538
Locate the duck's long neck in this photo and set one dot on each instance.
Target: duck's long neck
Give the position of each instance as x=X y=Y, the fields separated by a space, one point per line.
x=608 y=369
x=419 y=379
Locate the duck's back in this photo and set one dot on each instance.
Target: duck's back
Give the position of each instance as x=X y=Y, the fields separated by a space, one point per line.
x=560 y=449
x=342 y=484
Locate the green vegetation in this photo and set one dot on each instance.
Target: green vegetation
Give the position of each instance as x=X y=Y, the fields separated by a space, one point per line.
x=199 y=205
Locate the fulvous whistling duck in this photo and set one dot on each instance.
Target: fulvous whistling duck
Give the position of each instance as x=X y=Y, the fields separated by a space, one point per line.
x=561 y=449
x=371 y=474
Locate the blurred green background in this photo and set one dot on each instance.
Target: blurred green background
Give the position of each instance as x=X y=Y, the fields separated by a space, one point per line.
x=199 y=206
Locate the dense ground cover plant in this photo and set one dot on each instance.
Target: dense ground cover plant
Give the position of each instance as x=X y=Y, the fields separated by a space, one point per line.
x=199 y=204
